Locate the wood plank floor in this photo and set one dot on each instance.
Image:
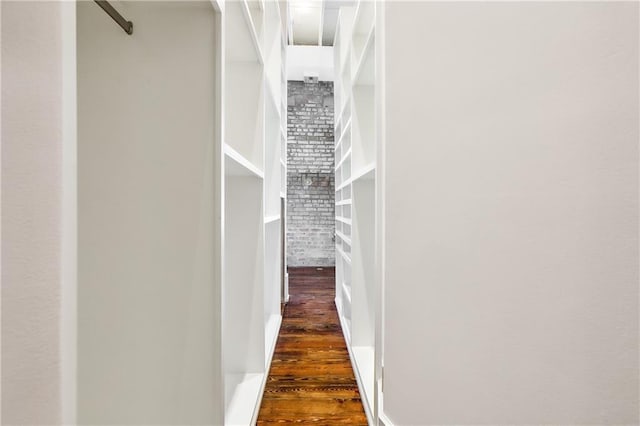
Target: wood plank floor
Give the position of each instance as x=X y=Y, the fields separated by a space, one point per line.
x=311 y=379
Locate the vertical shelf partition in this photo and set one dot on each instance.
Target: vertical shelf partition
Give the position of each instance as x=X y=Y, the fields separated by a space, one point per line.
x=244 y=286
x=273 y=177
x=356 y=291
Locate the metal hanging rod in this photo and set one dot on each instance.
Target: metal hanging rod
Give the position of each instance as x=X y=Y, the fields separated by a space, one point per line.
x=127 y=26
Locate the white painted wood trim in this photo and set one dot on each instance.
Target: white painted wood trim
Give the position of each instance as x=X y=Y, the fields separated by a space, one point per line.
x=273 y=218
x=242 y=161
x=252 y=30
x=369 y=44
x=380 y=185
x=69 y=232
x=367 y=172
x=218 y=196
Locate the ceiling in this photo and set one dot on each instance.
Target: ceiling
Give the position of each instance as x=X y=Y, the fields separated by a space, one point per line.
x=313 y=22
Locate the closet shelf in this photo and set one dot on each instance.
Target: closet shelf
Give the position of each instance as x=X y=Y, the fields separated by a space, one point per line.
x=368 y=172
x=245 y=391
x=344 y=238
x=237 y=165
x=345 y=325
x=344 y=132
x=343 y=185
x=271 y=219
x=364 y=71
x=359 y=16
x=344 y=157
x=343 y=108
x=363 y=357
x=252 y=30
x=343 y=220
x=344 y=255
x=347 y=291
x=343 y=61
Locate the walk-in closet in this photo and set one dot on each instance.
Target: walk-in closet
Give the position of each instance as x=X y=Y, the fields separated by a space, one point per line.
x=241 y=212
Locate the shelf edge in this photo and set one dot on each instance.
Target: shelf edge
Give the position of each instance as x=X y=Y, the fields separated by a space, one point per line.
x=344 y=220
x=346 y=127
x=242 y=161
x=344 y=238
x=364 y=172
x=270 y=219
x=368 y=45
x=252 y=31
x=344 y=157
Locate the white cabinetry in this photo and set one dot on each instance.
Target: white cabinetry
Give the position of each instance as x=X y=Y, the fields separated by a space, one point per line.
x=356 y=286
x=254 y=185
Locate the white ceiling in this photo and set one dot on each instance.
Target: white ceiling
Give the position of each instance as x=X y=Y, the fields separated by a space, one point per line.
x=313 y=22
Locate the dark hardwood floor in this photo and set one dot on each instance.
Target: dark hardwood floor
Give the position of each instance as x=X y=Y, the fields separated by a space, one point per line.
x=311 y=379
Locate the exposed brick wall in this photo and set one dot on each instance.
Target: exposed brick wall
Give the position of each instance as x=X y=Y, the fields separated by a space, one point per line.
x=310 y=174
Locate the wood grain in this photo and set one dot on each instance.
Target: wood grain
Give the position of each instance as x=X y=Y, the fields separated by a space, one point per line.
x=311 y=379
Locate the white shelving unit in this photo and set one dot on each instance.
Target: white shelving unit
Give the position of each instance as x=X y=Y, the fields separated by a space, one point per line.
x=356 y=288
x=253 y=187
x=245 y=184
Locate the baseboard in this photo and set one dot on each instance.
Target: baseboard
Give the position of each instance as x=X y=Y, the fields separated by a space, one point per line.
x=383 y=420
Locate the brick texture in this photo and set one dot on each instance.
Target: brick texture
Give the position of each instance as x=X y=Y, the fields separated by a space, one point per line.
x=310 y=174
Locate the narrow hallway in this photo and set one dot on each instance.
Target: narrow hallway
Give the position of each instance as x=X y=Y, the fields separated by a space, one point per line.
x=311 y=378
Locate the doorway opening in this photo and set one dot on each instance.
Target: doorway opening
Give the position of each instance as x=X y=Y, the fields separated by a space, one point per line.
x=310 y=174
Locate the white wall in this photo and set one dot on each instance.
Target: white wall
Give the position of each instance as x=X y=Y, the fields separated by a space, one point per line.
x=310 y=59
x=38 y=245
x=148 y=303
x=511 y=286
